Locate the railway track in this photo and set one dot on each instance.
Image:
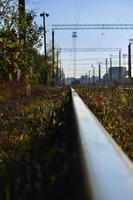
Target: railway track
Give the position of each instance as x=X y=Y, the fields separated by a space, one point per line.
x=107 y=173
x=75 y=160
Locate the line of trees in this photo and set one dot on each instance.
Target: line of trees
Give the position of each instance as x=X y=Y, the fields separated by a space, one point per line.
x=20 y=60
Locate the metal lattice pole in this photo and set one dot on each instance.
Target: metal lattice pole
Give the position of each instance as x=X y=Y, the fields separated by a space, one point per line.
x=74 y=36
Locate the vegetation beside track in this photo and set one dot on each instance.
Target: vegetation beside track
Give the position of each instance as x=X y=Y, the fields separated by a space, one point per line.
x=114 y=108
x=37 y=147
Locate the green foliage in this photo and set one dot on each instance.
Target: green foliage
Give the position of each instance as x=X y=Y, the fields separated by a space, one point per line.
x=15 y=51
x=20 y=40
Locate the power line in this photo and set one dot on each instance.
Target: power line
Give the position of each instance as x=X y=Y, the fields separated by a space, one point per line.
x=89 y=64
x=75 y=11
x=84 y=59
x=125 y=11
x=90 y=49
x=33 y=3
x=80 y=8
x=91 y=26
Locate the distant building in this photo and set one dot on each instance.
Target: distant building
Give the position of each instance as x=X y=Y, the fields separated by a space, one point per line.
x=68 y=81
x=106 y=77
x=75 y=82
x=114 y=73
x=84 y=80
x=72 y=81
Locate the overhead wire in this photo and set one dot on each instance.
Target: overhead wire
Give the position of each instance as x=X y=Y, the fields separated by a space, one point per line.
x=120 y=17
x=32 y=2
x=80 y=9
x=125 y=11
x=78 y=14
x=74 y=35
x=103 y=33
x=76 y=10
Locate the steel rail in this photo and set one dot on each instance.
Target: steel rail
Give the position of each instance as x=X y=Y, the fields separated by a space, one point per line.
x=107 y=172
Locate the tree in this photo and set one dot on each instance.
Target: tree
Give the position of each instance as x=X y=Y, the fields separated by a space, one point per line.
x=14 y=54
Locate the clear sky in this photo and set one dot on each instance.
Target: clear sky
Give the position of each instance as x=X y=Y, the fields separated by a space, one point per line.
x=89 y=12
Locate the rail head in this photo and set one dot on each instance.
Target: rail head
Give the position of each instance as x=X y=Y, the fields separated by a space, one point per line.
x=107 y=171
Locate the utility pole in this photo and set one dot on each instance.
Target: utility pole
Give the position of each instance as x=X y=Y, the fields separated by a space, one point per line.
x=53 y=53
x=57 y=69
x=110 y=69
x=89 y=77
x=120 y=64
x=22 y=21
x=44 y=32
x=93 y=74
x=86 y=78
x=99 y=71
x=106 y=63
x=45 y=45
x=129 y=60
x=21 y=6
x=57 y=66
x=60 y=73
x=62 y=76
